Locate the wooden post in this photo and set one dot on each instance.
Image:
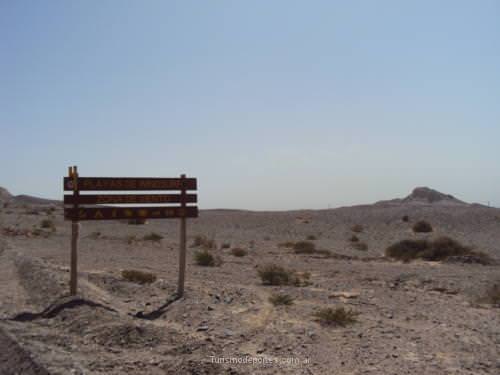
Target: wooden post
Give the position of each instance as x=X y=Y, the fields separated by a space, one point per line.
x=75 y=226
x=182 y=246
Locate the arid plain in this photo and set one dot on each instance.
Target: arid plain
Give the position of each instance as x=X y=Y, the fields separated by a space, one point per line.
x=416 y=317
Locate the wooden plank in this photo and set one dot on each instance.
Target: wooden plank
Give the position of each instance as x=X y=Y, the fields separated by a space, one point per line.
x=129 y=198
x=115 y=213
x=130 y=183
x=182 y=248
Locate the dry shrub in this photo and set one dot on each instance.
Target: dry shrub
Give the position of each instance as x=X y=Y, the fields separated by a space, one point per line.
x=443 y=248
x=239 y=252
x=492 y=296
x=354 y=238
x=304 y=247
x=48 y=224
x=405 y=218
x=281 y=300
x=422 y=226
x=273 y=274
x=225 y=245
x=336 y=317
x=205 y=242
x=288 y=244
x=357 y=228
x=139 y=277
x=155 y=237
x=205 y=259
x=323 y=252
x=132 y=239
x=311 y=237
x=361 y=246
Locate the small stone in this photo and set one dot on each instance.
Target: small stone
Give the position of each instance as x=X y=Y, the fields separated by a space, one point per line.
x=202 y=328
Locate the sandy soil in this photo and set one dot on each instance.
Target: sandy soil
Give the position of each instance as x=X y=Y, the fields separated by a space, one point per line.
x=414 y=318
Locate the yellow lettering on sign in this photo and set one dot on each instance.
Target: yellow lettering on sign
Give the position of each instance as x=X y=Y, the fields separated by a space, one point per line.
x=82 y=214
x=155 y=213
x=113 y=213
x=143 y=213
x=128 y=213
x=98 y=215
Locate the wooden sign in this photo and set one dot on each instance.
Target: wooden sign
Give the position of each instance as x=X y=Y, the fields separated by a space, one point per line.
x=170 y=206
x=129 y=198
x=115 y=213
x=130 y=183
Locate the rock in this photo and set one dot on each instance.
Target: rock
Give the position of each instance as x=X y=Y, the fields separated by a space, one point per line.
x=344 y=295
x=202 y=328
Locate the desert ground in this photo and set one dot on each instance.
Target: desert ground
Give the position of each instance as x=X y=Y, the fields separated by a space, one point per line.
x=417 y=317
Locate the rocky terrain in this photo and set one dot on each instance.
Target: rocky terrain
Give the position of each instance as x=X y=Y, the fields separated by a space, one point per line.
x=420 y=317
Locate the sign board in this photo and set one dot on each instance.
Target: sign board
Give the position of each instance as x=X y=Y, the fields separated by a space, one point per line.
x=82 y=207
x=115 y=213
x=129 y=198
x=130 y=183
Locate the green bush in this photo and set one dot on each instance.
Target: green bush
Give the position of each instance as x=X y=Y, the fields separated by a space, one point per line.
x=422 y=226
x=336 y=317
x=139 y=277
x=239 y=252
x=281 y=299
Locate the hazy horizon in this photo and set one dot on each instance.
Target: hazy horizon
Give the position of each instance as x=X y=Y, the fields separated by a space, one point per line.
x=271 y=105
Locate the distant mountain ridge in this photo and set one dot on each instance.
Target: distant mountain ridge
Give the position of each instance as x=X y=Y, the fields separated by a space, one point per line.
x=425 y=195
x=6 y=196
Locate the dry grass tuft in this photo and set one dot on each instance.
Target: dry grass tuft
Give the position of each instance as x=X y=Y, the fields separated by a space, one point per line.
x=304 y=247
x=357 y=228
x=288 y=244
x=336 y=317
x=205 y=259
x=239 y=252
x=48 y=224
x=361 y=246
x=281 y=300
x=272 y=274
x=155 y=237
x=204 y=242
x=139 y=277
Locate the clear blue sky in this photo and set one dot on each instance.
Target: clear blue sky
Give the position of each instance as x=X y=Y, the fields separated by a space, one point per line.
x=271 y=104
